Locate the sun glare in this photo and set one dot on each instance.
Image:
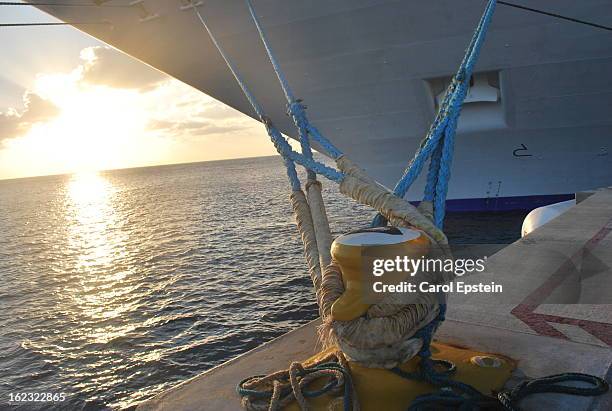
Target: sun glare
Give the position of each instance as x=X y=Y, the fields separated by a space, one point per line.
x=94 y=127
x=87 y=189
x=95 y=236
x=97 y=128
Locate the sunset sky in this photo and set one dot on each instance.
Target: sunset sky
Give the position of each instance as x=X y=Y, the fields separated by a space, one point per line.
x=68 y=103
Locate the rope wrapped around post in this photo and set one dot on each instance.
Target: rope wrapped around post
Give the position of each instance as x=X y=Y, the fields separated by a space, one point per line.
x=383 y=338
x=359 y=186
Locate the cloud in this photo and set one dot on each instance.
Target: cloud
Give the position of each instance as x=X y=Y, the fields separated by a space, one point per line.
x=192 y=128
x=109 y=67
x=13 y=122
x=171 y=108
x=220 y=111
x=182 y=112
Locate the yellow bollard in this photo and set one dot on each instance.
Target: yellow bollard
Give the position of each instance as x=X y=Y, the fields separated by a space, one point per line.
x=350 y=252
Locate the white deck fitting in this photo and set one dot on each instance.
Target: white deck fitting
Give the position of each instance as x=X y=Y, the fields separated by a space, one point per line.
x=580 y=343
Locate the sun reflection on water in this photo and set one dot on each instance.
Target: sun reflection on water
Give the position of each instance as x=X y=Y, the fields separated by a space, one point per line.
x=92 y=218
x=99 y=244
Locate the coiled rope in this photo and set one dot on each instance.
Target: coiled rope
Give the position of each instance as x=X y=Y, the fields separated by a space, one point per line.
x=275 y=391
x=553 y=384
x=457 y=395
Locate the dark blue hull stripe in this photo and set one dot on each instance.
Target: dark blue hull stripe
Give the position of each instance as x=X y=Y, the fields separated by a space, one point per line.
x=505 y=203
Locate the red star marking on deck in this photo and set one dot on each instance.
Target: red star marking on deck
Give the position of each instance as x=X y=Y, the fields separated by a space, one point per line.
x=540 y=323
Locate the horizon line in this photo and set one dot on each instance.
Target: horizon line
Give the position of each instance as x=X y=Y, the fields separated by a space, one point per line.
x=138 y=167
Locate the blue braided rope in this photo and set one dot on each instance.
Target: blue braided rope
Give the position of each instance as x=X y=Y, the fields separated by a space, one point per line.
x=280 y=143
x=432 y=175
x=254 y=103
x=456 y=104
x=426 y=333
x=443 y=129
x=327 y=145
x=297 y=111
x=484 y=23
x=302 y=127
x=457 y=90
x=418 y=161
x=439 y=146
x=291 y=172
x=264 y=39
x=444 y=170
x=295 y=108
x=428 y=145
x=300 y=122
x=285 y=150
x=458 y=395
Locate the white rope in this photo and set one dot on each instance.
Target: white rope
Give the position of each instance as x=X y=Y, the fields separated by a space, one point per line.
x=303 y=219
x=320 y=221
x=359 y=186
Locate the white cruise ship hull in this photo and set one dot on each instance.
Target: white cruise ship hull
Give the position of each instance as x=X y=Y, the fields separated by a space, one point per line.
x=537 y=125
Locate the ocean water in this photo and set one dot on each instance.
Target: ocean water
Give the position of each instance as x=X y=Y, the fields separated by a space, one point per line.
x=117 y=285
